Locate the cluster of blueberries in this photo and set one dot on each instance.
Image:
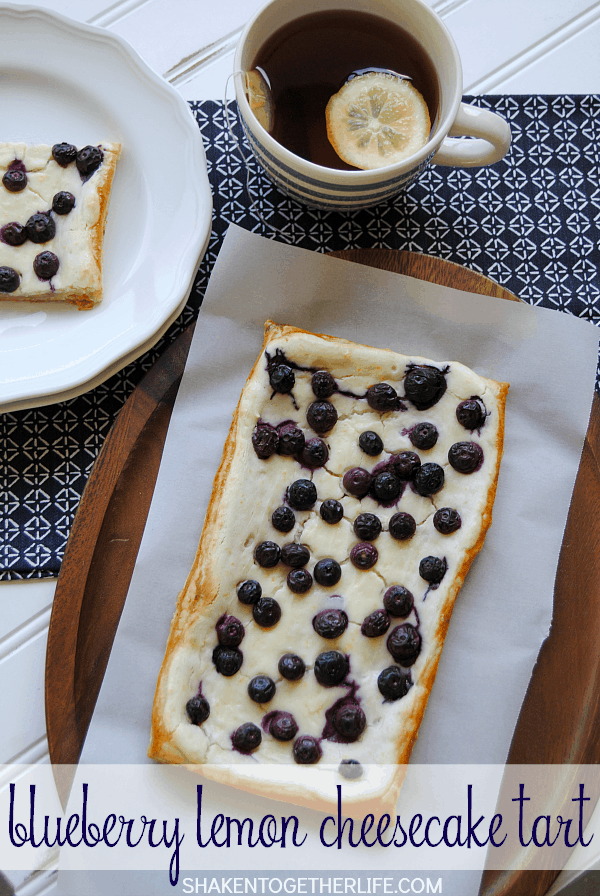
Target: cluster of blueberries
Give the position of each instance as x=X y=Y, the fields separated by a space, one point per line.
x=41 y=228
x=424 y=386
x=345 y=720
x=302 y=495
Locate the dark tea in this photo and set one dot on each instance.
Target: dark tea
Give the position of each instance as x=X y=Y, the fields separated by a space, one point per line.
x=309 y=60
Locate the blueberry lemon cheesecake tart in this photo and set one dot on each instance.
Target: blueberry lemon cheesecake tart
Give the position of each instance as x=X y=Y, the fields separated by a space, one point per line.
x=53 y=206
x=355 y=489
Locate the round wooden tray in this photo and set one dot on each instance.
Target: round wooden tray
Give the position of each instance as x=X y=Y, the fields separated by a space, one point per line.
x=560 y=717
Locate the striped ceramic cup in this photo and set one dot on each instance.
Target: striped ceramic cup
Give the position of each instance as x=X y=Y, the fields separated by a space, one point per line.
x=331 y=188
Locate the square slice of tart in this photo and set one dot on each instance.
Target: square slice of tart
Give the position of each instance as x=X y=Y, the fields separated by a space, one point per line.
x=355 y=489
x=53 y=206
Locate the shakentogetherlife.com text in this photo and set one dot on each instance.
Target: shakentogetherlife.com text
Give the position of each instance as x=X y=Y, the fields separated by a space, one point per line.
x=316 y=885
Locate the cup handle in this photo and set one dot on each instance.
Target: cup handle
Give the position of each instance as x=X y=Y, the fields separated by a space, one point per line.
x=492 y=141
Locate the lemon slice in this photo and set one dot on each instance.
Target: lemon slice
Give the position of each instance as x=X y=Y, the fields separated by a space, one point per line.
x=377 y=119
x=258 y=94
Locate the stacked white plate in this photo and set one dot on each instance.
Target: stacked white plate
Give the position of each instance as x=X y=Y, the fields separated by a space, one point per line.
x=61 y=81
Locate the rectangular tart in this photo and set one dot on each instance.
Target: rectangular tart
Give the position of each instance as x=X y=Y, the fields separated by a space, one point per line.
x=53 y=206
x=355 y=489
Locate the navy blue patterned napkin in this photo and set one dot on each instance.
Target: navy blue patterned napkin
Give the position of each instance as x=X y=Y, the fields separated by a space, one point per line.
x=531 y=222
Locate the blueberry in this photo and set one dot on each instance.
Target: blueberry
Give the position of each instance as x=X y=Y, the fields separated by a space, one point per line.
x=299 y=581
x=249 y=592
x=331 y=668
x=370 y=443
x=357 y=482
x=291 y=667
x=261 y=689
x=349 y=722
x=433 y=569
x=386 y=486
x=446 y=520
x=267 y=554
x=394 y=683
x=265 y=440
x=383 y=397
x=9 y=279
x=367 y=526
x=14 y=180
x=283 y=519
x=323 y=384
x=88 y=160
x=429 y=479
x=283 y=726
x=246 y=738
x=471 y=413
x=406 y=464
x=331 y=511
x=227 y=660
x=295 y=555
x=364 y=555
x=197 y=709
x=351 y=769
x=465 y=457
x=327 y=572
x=40 y=227
x=398 y=601
x=63 y=203
x=230 y=631
x=314 y=454
x=306 y=750
x=14 y=234
x=321 y=416
x=291 y=439
x=64 y=153
x=330 y=624
x=266 y=612
x=402 y=526
x=424 y=436
x=302 y=494
x=404 y=643
x=282 y=378
x=375 y=624
x=45 y=265
x=424 y=386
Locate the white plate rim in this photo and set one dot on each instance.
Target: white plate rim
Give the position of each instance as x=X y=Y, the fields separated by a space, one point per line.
x=90 y=373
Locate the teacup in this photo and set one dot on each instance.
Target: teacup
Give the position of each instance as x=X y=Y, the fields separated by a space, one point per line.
x=330 y=188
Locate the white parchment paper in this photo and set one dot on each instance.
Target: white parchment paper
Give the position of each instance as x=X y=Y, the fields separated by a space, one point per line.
x=504 y=610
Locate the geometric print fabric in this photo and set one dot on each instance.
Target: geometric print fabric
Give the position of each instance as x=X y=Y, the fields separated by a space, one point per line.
x=530 y=222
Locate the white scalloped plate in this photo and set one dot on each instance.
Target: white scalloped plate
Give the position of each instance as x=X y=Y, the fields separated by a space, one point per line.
x=64 y=81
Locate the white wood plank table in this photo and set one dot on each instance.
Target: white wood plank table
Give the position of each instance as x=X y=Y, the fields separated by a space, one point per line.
x=507 y=47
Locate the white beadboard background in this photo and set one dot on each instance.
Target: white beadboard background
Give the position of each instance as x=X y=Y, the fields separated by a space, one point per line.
x=507 y=46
